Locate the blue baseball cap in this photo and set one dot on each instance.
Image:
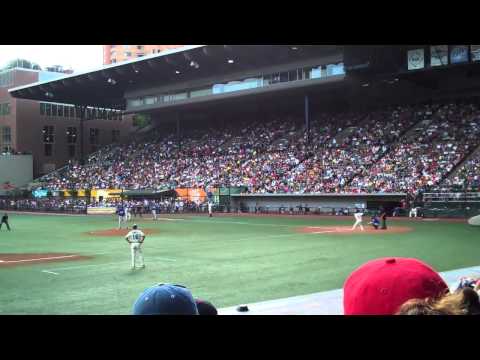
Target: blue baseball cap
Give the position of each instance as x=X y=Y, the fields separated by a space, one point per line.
x=165 y=299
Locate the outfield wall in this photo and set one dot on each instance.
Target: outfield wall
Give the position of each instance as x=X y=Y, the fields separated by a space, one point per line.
x=321 y=202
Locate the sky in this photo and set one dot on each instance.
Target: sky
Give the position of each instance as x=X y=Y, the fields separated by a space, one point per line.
x=77 y=57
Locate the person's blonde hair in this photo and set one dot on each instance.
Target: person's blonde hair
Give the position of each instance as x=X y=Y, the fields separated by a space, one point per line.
x=462 y=302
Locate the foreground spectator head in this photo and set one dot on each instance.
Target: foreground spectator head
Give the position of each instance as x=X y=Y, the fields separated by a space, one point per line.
x=165 y=299
x=205 y=308
x=381 y=286
x=462 y=302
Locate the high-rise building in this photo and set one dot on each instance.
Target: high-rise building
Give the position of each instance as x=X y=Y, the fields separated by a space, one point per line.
x=119 y=53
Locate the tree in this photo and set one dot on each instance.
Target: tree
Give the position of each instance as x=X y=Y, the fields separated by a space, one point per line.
x=141 y=120
x=22 y=63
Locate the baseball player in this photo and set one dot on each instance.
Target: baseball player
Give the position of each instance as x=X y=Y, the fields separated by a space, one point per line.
x=358 y=219
x=375 y=222
x=128 y=213
x=135 y=238
x=5 y=221
x=210 y=209
x=121 y=217
x=383 y=216
x=154 y=211
x=413 y=212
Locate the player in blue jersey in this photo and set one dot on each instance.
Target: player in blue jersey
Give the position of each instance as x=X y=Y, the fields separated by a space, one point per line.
x=121 y=217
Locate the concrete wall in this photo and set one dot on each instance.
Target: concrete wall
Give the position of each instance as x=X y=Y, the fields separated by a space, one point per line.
x=325 y=201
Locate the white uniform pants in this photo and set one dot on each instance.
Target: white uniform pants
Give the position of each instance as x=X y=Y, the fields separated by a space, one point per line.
x=129 y=215
x=121 y=219
x=154 y=213
x=358 y=222
x=136 y=254
x=413 y=212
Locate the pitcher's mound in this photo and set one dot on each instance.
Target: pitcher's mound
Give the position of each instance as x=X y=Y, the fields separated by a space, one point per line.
x=348 y=230
x=119 y=232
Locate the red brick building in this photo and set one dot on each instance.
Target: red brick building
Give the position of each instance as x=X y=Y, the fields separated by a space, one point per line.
x=51 y=131
x=119 y=53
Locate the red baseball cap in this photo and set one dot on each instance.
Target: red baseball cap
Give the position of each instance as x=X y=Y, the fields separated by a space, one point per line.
x=381 y=286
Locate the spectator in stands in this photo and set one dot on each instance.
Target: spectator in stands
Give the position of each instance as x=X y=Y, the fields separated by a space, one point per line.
x=382 y=286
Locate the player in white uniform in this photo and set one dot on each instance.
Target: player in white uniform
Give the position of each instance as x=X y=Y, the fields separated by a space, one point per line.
x=128 y=213
x=210 y=207
x=154 y=210
x=135 y=238
x=358 y=219
x=413 y=212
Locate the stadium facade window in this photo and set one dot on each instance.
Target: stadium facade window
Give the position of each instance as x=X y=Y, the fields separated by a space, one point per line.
x=71 y=151
x=475 y=52
x=94 y=136
x=60 y=110
x=128 y=53
x=48 y=149
x=438 y=55
x=458 y=54
x=48 y=134
x=48 y=109
x=4 y=109
x=72 y=112
x=284 y=76
x=6 y=136
x=115 y=136
x=201 y=92
x=54 y=110
x=150 y=100
x=6 y=78
x=71 y=135
x=293 y=75
x=114 y=61
x=140 y=47
x=415 y=59
x=66 y=111
x=243 y=84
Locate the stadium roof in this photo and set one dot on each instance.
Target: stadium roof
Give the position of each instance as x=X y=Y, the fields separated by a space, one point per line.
x=106 y=87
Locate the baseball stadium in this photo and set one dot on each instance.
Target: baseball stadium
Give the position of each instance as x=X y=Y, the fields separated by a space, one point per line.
x=245 y=180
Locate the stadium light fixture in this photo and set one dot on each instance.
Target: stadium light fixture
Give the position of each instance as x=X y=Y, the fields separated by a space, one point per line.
x=294 y=48
x=111 y=81
x=177 y=72
x=365 y=85
x=231 y=61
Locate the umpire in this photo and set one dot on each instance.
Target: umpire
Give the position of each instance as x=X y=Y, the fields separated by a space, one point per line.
x=5 y=221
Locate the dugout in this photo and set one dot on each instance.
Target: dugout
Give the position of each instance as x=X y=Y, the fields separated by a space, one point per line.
x=327 y=204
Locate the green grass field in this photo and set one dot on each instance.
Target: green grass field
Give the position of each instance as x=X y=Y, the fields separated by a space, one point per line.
x=227 y=260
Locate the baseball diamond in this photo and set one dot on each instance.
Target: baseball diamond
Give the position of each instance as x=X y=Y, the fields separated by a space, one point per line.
x=243 y=260
x=186 y=178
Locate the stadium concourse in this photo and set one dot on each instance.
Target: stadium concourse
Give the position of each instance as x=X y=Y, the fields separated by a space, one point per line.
x=408 y=149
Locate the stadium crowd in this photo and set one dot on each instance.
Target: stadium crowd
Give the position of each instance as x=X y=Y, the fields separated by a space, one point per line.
x=397 y=149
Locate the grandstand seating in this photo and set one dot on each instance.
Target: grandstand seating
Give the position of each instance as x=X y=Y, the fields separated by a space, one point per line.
x=396 y=149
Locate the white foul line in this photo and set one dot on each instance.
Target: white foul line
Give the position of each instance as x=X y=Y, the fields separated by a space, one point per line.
x=50 y=272
x=323 y=232
x=47 y=258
